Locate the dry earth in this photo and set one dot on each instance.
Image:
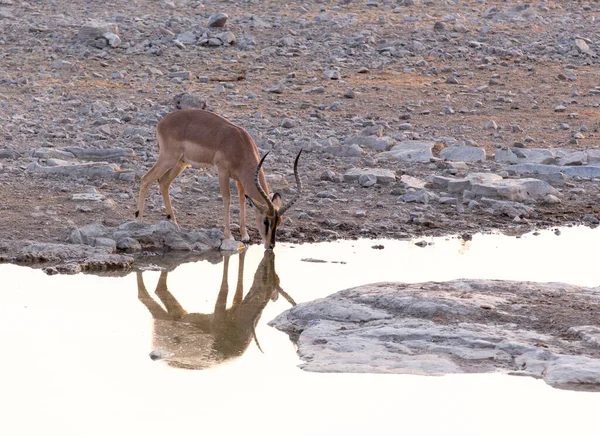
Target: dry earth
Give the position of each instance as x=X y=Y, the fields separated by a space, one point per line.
x=300 y=74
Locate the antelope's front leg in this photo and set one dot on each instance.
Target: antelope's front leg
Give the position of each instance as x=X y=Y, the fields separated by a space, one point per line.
x=242 y=195
x=226 y=194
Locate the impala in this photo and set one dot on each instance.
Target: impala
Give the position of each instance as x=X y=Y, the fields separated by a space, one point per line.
x=198 y=138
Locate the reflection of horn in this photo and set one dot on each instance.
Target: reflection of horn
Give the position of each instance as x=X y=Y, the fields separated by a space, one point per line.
x=261 y=191
x=286 y=206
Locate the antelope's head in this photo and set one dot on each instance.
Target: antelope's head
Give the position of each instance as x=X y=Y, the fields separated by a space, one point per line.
x=269 y=217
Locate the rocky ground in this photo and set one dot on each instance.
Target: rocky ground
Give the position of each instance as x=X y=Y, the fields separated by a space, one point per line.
x=417 y=117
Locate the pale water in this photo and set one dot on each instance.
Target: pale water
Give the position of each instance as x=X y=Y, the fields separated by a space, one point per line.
x=74 y=350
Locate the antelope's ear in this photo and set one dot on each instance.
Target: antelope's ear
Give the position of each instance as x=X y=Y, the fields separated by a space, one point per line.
x=276 y=200
x=249 y=201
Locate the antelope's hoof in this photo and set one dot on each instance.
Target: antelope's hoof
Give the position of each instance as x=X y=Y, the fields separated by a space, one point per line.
x=245 y=239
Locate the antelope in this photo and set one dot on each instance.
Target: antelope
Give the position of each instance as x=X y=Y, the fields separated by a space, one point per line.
x=198 y=138
x=199 y=340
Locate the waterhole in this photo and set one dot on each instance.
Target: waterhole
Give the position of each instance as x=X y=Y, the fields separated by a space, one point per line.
x=169 y=352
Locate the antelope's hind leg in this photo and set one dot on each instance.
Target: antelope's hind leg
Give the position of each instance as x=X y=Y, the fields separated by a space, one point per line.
x=165 y=184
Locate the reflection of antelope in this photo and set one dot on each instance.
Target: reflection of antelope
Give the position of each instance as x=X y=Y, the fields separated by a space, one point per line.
x=197 y=340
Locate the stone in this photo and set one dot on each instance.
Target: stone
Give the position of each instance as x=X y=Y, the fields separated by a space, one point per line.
x=188 y=100
x=101 y=154
x=217 y=20
x=463 y=154
x=411 y=151
x=532 y=169
x=412 y=182
x=583 y=172
x=227 y=38
x=367 y=180
x=113 y=39
x=343 y=150
x=188 y=38
x=381 y=175
x=372 y=142
x=583 y=47
x=129 y=245
x=405 y=328
x=91 y=170
x=491 y=125
x=87 y=196
x=231 y=245
x=93 y=30
x=526 y=155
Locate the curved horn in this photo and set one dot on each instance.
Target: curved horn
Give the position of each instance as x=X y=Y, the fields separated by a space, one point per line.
x=286 y=206
x=261 y=191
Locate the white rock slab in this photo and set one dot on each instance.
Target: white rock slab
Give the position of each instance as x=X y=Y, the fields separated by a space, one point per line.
x=460 y=326
x=411 y=151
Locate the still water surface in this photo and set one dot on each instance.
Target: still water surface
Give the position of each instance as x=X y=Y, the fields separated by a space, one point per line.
x=74 y=350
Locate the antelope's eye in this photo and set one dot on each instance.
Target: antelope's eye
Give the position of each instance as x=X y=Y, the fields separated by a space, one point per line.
x=266 y=222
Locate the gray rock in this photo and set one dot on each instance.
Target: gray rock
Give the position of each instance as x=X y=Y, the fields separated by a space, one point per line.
x=217 y=20
x=411 y=151
x=101 y=154
x=188 y=100
x=430 y=329
x=532 y=169
x=129 y=245
x=112 y=39
x=371 y=142
x=92 y=170
x=93 y=30
x=367 y=180
x=412 y=182
x=463 y=154
x=509 y=208
x=227 y=38
x=382 y=176
x=187 y=38
x=231 y=245
x=583 y=172
x=583 y=47
x=419 y=196
x=525 y=155
x=52 y=153
x=343 y=150
x=7 y=154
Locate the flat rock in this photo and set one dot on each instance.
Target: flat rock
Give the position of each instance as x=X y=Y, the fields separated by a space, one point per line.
x=460 y=326
x=383 y=176
x=378 y=143
x=516 y=155
x=104 y=154
x=463 y=154
x=583 y=172
x=91 y=169
x=343 y=150
x=411 y=151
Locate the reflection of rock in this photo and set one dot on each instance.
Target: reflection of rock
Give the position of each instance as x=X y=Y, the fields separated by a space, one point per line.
x=198 y=340
x=71 y=258
x=460 y=326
